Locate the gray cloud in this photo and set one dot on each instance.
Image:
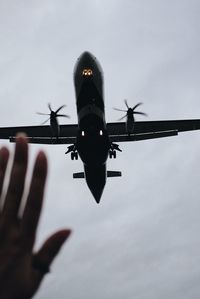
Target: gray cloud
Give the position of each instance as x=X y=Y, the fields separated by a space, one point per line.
x=142 y=240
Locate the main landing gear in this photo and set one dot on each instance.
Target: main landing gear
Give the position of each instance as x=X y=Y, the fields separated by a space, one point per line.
x=112 y=151
x=74 y=154
x=112 y=154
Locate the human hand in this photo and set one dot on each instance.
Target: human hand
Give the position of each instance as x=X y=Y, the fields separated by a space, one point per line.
x=21 y=270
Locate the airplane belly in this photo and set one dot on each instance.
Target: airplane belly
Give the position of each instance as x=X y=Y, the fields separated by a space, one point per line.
x=92 y=140
x=90 y=102
x=93 y=147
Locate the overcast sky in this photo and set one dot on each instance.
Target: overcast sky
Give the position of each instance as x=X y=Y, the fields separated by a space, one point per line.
x=142 y=241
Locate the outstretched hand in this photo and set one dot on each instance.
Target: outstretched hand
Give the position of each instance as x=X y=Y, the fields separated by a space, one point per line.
x=21 y=271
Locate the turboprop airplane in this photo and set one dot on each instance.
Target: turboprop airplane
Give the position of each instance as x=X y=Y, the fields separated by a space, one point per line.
x=92 y=139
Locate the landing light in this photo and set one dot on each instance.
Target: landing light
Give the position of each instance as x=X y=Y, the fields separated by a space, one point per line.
x=101 y=132
x=82 y=133
x=87 y=72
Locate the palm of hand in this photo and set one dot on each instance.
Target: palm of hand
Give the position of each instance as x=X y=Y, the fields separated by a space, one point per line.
x=21 y=271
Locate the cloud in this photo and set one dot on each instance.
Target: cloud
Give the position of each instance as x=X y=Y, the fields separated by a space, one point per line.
x=142 y=240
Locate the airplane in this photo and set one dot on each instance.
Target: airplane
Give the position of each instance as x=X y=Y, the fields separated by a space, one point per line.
x=92 y=138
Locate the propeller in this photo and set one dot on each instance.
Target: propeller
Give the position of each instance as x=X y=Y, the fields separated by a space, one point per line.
x=53 y=114
x=130 y=111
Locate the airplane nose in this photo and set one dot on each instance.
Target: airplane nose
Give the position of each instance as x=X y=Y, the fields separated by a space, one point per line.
x=88 y=68
x=86 y=58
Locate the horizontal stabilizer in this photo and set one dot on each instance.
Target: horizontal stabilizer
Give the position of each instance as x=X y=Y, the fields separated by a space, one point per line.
x=111 y=174
x=78 y=175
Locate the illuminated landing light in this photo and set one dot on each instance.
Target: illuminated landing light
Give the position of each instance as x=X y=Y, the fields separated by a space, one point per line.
x=82 y=133
x=87 y=72
x=101 y=132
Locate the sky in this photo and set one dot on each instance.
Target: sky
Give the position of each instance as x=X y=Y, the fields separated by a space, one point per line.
x=142 y=241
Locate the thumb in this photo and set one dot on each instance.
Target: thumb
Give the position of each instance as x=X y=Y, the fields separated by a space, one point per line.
x=45 y=256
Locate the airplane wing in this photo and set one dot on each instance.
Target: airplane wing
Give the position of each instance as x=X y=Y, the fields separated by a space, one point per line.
x=117 y=131
x=41 y=134
x=151 y=129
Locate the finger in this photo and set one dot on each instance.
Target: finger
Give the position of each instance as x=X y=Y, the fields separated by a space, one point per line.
x=17 y=179
x=34 y=202
x=4 y=155
x=43 y=259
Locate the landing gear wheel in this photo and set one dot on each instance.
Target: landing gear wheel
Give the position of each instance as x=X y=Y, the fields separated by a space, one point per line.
x=74 y=155
x=112 y=154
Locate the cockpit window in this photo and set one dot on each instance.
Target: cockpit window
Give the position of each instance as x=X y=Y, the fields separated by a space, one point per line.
x=87 y=72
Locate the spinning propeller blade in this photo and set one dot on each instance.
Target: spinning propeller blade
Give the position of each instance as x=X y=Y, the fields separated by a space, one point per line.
x=130 y=111
x=53 y=114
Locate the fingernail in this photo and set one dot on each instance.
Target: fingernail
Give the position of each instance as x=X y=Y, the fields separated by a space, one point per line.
x=21 y=134
x=41 y=154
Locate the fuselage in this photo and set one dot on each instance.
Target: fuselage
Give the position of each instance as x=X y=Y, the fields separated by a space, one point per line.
x=92 y=140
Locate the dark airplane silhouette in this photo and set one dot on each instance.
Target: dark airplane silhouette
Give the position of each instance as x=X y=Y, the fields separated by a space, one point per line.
x=92 y=138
